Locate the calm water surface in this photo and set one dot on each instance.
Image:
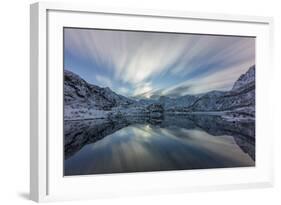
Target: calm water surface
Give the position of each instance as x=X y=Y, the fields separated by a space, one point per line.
x=171 y=143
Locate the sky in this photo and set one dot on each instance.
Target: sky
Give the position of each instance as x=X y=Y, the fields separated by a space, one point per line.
x=152 y=64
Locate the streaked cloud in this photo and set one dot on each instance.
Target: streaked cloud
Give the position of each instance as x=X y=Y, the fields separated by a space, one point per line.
x=104 y=81
x=151 y=64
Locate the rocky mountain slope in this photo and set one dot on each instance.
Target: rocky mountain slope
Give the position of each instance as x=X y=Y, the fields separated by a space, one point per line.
x=247 y=78
x=86 y=101
x=240 y=100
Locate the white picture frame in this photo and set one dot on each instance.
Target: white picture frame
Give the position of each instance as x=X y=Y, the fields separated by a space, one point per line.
x=47 y=182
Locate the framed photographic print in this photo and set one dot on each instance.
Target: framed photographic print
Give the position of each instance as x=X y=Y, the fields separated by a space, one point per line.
x=127 y=102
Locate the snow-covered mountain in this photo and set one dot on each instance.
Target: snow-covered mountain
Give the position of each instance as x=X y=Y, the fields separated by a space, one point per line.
x=77 y=90
x=247 y=78
x=240 y=99
x=83 y=100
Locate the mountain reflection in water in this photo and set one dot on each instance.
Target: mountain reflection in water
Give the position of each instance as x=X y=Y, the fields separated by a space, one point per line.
x=143 y=144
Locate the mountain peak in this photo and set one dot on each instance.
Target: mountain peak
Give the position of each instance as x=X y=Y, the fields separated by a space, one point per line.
x=78 y=91
x=245 y=78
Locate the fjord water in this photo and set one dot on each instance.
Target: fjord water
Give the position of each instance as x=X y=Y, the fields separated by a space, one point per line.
x=145 y=144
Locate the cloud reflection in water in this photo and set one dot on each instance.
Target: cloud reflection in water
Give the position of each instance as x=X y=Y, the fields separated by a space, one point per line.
x=146 y=147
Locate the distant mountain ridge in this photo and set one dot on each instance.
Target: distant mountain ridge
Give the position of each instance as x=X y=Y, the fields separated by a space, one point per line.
x=83 y=100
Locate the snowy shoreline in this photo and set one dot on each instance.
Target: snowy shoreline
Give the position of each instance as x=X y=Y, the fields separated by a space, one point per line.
x=226 y=115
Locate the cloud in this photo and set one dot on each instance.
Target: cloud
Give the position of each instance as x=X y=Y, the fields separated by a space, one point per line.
x=178 y=91
x=143 y=89
x=132 y=56
x=216 y=52
x=123 y=90
x=217 y=80
x=135 y=60
x=104 y=81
